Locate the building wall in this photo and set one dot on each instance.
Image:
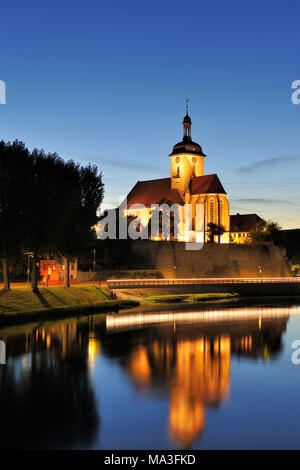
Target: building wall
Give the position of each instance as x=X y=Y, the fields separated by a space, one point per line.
x=214 y=260
x=219 y=215
x=53 y=271
x=240 y=237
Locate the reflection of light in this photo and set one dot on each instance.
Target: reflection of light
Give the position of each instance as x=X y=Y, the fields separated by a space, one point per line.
x=186 y=418
x=200 y=378
x=139 y=366
x=114 y=322
x=94 y=349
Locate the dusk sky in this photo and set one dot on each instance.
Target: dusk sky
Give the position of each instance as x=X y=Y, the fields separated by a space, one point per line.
x=106 y=83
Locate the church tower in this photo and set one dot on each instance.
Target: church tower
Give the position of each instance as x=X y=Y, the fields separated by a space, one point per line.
x=187 y=158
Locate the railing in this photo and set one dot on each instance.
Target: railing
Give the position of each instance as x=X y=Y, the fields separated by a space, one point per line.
x=125 y=283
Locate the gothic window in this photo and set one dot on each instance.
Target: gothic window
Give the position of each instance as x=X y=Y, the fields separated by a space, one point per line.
x=211 y=210
x=221 y=212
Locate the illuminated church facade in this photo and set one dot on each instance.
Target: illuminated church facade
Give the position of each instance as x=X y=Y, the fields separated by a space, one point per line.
x=187 y=185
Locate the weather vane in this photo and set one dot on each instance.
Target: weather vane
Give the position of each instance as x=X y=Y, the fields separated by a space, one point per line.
x=187 y=105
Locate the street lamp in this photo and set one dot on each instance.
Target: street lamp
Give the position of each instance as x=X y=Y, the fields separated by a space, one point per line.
x=94 y=264
x=29 y=255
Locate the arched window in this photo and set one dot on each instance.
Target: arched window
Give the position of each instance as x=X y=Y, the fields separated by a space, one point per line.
x=221 y=212
x=211 y=210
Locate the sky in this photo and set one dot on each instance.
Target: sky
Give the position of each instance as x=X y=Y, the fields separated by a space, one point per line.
x=106 y=83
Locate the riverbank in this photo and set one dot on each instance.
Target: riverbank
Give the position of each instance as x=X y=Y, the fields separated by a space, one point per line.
x=22 y=305
x=192 y=298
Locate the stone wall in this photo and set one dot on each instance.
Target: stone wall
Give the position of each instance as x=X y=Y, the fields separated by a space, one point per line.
x=213 y=260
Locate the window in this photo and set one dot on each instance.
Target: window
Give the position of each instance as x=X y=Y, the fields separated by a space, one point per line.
x=221 y=213
x=211 y=210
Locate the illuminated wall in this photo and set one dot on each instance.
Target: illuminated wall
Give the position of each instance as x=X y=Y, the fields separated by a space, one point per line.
x=183 y=166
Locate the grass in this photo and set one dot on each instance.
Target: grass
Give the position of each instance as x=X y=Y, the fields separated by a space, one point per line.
x=23 y=304
x=223 y=296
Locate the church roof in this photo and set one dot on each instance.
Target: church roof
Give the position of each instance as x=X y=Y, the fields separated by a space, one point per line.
x=243 y=222
x=187 y=146
x=207 y=184
x=153 y=191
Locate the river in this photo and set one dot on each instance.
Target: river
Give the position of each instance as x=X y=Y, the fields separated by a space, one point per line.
x=221 y=378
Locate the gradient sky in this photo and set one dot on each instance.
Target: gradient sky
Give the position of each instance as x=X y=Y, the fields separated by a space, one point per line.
x=106 y=83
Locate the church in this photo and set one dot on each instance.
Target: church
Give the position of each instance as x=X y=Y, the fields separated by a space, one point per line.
x=187 y=184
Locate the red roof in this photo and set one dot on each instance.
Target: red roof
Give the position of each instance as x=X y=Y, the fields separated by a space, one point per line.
x=153 y=191
x=207 y=184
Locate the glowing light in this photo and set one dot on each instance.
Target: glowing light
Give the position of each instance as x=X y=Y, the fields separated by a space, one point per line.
x=93 y=350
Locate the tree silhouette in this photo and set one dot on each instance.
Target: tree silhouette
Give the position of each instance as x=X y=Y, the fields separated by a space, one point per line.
x=215 y=230
x=15 y=168
x=265 y=231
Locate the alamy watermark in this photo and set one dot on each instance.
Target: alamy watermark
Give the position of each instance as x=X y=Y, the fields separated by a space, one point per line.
x=2 y=352
x=2 y=92
x=296 y=94
x=163 y=221
x=296 y=354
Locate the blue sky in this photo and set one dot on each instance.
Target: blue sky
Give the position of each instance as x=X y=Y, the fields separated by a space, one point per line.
x=106 y=83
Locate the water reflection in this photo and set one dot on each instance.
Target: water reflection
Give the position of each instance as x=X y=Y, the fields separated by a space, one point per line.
x=49 y=391
x=47 y=397
x=193 y=364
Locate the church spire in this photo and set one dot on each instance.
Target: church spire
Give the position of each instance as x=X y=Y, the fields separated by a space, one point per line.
x=187 y=123
x=187 y=106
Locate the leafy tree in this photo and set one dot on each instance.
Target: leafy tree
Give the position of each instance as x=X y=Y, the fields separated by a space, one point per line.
x=265 y=231
x=49 y=205
x=15 y=169
x=114 y=231
x=79 y=225
x=214 y=230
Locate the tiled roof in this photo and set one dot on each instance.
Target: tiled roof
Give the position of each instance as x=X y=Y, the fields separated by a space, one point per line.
x=243 y=222
x=207 y=184
x=153 y=191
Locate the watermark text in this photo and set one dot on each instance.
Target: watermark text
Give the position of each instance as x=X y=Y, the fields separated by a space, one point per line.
x=2 y=92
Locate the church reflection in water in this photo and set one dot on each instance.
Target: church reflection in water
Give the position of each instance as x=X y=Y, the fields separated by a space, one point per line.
x=47 y=390
x=191 y=361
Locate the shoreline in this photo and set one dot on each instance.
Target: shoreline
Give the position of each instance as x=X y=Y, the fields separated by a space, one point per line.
x=22 y=305
x=65 y=312
x=133 y=306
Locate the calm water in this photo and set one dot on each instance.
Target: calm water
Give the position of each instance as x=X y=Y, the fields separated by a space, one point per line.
x=162 y=380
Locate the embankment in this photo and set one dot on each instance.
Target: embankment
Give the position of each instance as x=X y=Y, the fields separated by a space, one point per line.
x=173 y=260
x=22 y=305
